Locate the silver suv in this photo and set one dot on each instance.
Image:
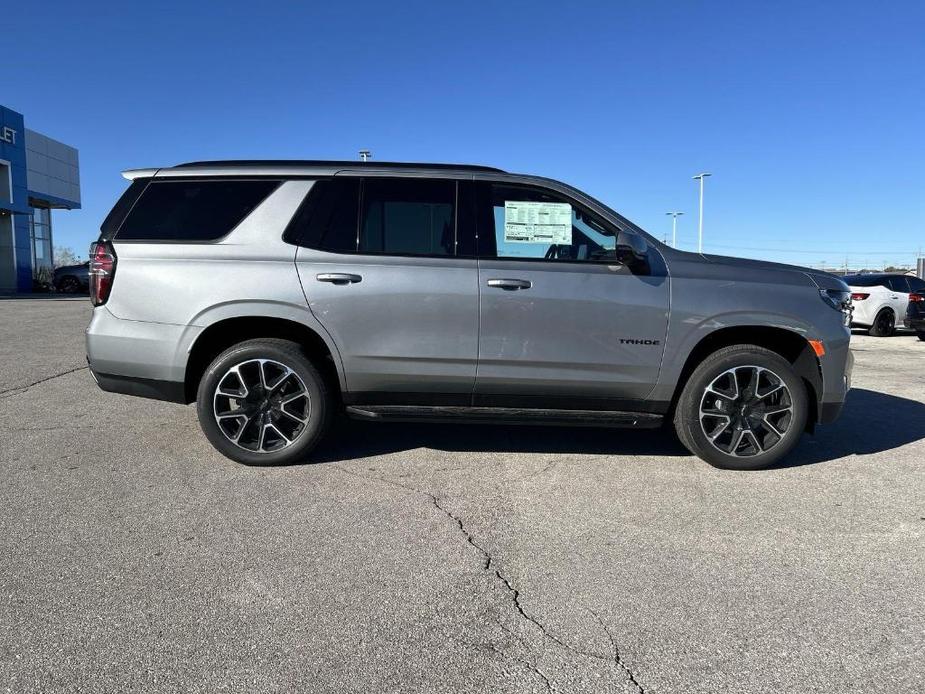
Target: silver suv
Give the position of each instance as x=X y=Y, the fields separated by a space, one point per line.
x=277 y=294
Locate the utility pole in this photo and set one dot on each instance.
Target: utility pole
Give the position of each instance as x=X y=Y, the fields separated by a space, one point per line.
x=700 y=177
x=674 y=228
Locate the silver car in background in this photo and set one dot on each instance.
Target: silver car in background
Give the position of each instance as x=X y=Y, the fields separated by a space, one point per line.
x=278 y=294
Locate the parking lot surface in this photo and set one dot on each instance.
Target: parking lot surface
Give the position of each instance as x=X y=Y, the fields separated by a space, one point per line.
x=431 y=558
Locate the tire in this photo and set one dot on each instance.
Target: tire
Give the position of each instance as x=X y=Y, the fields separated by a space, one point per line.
x=289 y=430
x=884 y=324
x=68 y=285
x=758 y=444
x=921 y=335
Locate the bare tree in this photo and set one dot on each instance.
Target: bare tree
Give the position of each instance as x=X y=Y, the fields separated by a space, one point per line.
x=65 y=256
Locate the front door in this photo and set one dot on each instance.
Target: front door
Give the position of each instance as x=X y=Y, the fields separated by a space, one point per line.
x=388 y=287
x=562 y=324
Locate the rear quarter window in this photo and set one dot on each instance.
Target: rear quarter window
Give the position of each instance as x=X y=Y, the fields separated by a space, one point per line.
x=192 y=210
x=865 y=281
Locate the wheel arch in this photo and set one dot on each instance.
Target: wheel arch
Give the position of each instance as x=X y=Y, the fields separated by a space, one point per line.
x=789 y=344
x=222 y=334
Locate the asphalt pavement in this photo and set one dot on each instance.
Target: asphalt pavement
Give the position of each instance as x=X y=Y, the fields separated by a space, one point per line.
x=436 y=558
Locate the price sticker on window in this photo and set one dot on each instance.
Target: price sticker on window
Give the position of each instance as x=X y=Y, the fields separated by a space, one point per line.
x=537 y=222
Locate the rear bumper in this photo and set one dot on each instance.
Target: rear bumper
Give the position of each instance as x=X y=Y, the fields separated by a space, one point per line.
x=171 y=391
x=136 y=357
x=916 y=323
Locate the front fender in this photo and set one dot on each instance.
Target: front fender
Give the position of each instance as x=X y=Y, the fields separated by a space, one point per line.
x=686 y=334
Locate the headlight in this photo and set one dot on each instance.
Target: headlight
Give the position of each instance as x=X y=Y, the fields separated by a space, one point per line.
x=839 y=300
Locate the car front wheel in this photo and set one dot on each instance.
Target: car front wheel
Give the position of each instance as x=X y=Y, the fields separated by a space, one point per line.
x=69 y=285
x=743 y=408
x=263 y=402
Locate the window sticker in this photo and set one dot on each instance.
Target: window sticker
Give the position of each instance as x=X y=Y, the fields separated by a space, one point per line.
x=537 y=222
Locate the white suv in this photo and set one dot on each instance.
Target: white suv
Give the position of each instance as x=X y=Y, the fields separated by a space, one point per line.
x=880 y=301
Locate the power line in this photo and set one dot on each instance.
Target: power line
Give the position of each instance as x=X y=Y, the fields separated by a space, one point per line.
x=812 y=252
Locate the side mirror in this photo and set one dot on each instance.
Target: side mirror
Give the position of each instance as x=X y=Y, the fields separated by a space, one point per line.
x=631 y=247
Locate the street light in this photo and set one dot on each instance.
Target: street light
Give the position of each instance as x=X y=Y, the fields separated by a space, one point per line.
x=674 y=228
x=700 y=176
x=365 y=154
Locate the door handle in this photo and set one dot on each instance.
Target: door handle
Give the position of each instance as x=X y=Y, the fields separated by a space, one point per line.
x=509 y=284
x=338 y=277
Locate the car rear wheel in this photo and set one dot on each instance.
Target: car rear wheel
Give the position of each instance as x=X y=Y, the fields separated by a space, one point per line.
x=921 y=335
x=263 y=402
x=743 y=408
x=69 y=285
x=884 y=324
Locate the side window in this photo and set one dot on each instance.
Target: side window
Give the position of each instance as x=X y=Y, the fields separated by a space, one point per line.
x=531 y=223
x=192 y=210
x=328 y=217
x=898 y=284
x=916 y=284
x=408 y=216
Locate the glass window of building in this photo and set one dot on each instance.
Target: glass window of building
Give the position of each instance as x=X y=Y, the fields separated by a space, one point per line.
x=41 y=239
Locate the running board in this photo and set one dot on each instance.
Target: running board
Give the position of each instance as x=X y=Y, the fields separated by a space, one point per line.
x=505 y=415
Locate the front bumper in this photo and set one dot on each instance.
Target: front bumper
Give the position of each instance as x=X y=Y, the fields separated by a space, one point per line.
x=830 y=409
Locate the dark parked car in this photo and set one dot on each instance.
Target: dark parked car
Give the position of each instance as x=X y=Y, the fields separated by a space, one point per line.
x=73 y=279
x=915 y=314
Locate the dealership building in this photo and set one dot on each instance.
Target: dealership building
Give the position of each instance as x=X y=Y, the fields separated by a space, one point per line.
x=37 y=175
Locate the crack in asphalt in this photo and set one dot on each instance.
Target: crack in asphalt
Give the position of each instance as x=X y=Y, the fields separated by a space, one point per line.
x=617 y=658
x=487 y=562
x=490 y=646
x=10 y=392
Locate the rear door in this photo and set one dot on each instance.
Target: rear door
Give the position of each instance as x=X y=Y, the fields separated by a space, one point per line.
x=899 y=297
x=380 y=271
x=562 y=324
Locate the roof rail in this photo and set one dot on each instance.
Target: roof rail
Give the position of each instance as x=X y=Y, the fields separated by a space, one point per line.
x=335 y=163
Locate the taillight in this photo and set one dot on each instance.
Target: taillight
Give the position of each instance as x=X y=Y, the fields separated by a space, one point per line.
x=102 y=270
x=859 y=296
x=916 y=298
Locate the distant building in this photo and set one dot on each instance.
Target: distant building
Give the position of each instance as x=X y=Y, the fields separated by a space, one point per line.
x=37 y=175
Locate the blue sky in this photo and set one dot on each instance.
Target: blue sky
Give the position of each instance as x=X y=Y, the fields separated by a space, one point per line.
x=811 y=116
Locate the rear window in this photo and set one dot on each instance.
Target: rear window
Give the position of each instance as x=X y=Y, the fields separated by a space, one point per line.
x=328 y=217
x=191 y=210
x=408 y=217
x=865 y=280
x=390 y=216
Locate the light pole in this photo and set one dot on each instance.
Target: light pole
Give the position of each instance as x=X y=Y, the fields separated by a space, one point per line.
x=701 y=176
x=674 y=228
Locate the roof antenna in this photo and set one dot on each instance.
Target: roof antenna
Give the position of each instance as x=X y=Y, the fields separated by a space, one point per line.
x=365 y=154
